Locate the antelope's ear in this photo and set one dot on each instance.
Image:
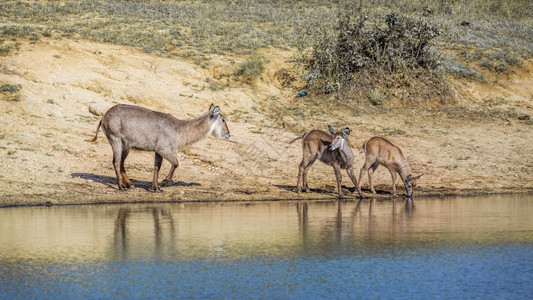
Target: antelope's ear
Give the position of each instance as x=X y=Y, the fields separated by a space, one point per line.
x=216 y=111
x=331 y=129
x=409 y=178
x=345 y=132
x=211 y=107
x=418 y=177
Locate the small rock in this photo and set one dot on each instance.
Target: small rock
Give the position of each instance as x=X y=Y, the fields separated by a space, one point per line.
x=524 y=117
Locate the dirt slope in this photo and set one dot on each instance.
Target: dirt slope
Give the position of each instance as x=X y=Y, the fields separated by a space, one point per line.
x=45 y=156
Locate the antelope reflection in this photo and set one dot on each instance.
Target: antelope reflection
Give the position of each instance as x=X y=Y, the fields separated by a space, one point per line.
x=352 y=221
x=122 y=238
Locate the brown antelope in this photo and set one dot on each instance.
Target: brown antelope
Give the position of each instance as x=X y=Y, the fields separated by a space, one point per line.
x=332 y=149
x=380 y=151
x=132 y=127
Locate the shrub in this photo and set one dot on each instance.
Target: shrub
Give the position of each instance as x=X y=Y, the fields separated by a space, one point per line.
x=376 y=97
x=251 y=68
x=463 y=71
x=393 y=45
x=10 y=92
x=10 y=88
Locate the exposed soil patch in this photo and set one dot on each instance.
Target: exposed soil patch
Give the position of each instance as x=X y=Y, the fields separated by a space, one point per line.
x=481 y=144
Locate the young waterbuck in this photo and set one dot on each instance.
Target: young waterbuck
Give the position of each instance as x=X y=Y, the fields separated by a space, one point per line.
x=380 y=151
x=132 y=127
x=332 y=149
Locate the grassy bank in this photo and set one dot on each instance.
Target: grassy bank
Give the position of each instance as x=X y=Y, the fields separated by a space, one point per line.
x=185 y=27
x=477 y=40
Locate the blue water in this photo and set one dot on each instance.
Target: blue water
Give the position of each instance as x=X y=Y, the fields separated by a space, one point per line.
x=332 y=258
x=497 y=272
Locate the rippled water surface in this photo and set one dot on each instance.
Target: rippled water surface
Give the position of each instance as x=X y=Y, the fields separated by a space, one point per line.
x=428 y=248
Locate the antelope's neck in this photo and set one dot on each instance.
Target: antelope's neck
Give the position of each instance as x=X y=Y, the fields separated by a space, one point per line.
x=403 y=169
x=192 y=131
x=346 y=152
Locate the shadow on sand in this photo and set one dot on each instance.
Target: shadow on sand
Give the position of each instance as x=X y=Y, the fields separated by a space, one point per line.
x=112 y=181
x=292 y=188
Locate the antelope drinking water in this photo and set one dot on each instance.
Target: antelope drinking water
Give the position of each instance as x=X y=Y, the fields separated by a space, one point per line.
x=380 y=151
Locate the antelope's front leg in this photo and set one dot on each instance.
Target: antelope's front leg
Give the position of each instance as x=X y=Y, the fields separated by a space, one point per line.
x=175 y=164
x=349 y=170
x=338 y=176
x=393 y=177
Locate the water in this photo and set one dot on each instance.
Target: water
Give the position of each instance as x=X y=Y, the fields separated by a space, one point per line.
x=429 y=248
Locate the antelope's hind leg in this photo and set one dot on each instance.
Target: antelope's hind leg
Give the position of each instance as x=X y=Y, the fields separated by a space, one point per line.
x=125 y=178
x=300 y=177
x=371 y=171
x=157 y=166
x=116 y=145
x=307 y=165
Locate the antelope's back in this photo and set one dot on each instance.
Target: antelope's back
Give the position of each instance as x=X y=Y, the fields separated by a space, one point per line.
x=316 y=140
x=382 y=149
x=138 y=127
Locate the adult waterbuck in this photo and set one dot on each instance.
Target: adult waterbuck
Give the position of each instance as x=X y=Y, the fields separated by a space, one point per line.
x=132 y=127
x=332 y=149
x=380 y=151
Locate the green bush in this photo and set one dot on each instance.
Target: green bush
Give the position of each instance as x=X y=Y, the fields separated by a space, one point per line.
x=391 y=45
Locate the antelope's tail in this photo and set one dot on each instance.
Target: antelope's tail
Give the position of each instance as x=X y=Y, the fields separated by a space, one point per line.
x=363 y=149
x=294 y=140
x=96 y=135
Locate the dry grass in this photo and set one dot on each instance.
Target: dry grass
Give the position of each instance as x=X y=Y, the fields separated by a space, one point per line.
x=478 y=39
x=172 y=27
x=219 y=26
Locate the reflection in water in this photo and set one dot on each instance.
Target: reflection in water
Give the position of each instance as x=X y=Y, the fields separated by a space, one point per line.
x=122 y=242
x=233 y=230
x=191 y=244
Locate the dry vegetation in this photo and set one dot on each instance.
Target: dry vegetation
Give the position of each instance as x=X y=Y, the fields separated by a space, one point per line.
x=363 y=49
x=415 y=71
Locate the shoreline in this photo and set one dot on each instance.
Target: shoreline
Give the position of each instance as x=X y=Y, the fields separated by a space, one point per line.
x=45 y=201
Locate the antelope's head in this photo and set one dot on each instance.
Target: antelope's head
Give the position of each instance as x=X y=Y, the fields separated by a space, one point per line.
x=410 y=183
x=218 y=126
x=339 y=138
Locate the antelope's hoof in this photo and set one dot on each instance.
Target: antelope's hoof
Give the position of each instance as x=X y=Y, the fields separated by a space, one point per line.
x=306 y=190
x=132 y=187
x=156 y=189
x=166 y=182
